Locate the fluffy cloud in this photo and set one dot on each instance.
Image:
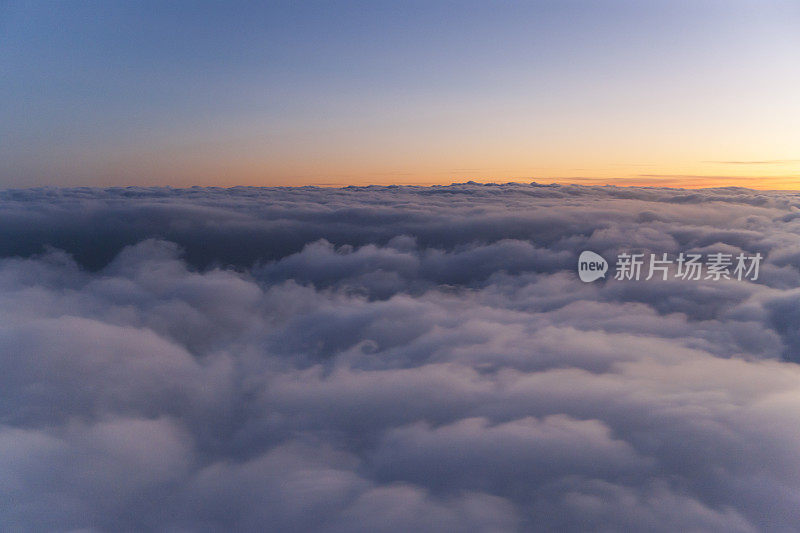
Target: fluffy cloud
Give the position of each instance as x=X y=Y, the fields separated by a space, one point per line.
x=394 y=358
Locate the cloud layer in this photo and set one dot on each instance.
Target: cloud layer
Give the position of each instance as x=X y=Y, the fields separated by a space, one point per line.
x=394 y=359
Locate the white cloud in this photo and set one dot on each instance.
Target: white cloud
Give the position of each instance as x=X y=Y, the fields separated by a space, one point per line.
x=393 y=359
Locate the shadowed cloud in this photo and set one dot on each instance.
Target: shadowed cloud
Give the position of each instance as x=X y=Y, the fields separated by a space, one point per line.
x=394 y=359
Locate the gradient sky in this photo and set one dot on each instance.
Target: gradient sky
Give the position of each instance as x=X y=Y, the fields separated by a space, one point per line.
x=681 y=93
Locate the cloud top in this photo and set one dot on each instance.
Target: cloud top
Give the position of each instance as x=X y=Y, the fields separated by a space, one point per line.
x=389 y=358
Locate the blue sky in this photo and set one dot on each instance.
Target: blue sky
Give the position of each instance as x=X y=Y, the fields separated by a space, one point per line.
x=179 y=93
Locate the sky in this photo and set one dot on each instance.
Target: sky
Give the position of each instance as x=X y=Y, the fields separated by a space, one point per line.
x=673 y=93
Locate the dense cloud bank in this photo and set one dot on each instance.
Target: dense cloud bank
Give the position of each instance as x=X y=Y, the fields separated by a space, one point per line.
x=394 y=359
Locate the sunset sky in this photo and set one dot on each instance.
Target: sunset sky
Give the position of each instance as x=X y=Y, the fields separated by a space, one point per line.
x=674 y=93
x=210 y=323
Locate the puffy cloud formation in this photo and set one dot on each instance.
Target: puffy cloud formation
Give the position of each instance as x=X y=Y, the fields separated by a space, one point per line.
x=394 y=359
